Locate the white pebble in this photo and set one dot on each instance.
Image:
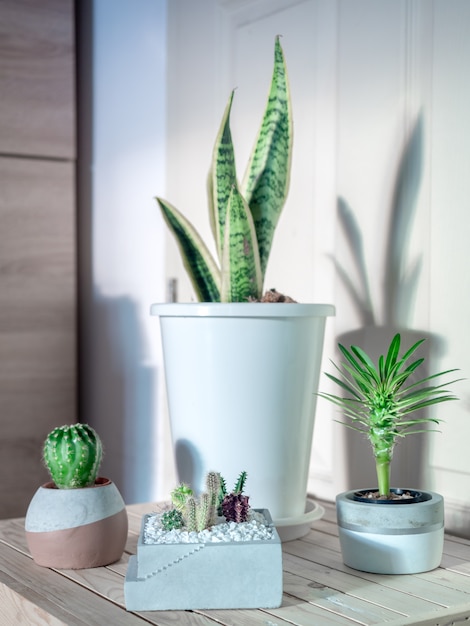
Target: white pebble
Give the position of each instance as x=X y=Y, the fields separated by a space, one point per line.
x=255 y=529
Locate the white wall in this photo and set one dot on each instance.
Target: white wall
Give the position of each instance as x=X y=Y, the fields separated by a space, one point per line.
x=123 y=269
x=380 y=95
x=362 y=72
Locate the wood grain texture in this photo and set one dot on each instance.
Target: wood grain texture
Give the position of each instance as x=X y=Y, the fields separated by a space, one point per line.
x=37 y=77
x=37 y=319
x=318 y=588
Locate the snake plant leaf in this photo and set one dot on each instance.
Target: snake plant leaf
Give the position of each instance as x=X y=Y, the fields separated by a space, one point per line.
x=266 y=182
x=241 y=271
x=222 y=178
x=198 y=261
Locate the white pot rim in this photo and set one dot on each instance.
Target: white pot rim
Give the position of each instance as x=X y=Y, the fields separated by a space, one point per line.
x=241 y=309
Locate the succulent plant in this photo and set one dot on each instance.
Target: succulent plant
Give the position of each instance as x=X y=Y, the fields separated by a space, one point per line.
x=378 y=402
x=172 y=519
x=180 y=495
x=201 y=513
x=235 y=507
x=243 y=218
x=238 y=488
x=72 y=455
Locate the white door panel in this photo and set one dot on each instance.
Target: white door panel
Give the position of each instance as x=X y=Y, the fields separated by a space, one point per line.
x=361 y=72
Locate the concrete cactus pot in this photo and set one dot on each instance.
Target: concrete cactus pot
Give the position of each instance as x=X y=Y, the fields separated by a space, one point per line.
x=185 y=576
x=391 y=537
x=76 y=528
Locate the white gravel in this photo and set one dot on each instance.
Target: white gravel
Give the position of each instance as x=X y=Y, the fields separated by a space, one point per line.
x=255 y=529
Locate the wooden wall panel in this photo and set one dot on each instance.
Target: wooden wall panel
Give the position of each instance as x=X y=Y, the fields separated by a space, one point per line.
x=37 y=78
x=37 y=319
x=37 y=239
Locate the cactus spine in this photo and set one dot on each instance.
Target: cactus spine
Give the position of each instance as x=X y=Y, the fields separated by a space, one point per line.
x=198 y=514
x=172 y=520
x=235 y=507
x=72 y=455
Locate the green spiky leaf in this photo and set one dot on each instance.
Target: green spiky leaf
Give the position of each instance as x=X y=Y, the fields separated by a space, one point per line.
x=198 y=261
x=241 y=272
x=222 y=178
x=244 y=250
x=266 y=182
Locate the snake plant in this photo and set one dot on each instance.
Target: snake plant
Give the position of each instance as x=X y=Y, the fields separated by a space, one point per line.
x=243 y=217
x=380 y=398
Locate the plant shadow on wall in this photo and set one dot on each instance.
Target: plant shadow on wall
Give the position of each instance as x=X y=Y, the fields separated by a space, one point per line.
x=399 y=287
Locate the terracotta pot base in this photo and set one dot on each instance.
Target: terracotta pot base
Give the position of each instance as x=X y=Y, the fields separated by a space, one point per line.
x=91 y=545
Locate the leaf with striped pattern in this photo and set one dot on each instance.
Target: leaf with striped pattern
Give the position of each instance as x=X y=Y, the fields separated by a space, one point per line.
x=198 y=261
x=241 y=271
x=267 y=178
x=222 y=178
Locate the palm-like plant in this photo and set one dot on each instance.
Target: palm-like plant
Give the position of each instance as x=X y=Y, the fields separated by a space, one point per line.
x=243 y=218
x=380 y=399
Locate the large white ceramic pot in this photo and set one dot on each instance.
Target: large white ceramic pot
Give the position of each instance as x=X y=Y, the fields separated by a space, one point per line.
x=76 y=528
x=392 y=537
x=241 y=382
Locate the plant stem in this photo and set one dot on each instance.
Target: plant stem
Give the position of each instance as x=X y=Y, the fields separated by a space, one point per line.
x=383 y=475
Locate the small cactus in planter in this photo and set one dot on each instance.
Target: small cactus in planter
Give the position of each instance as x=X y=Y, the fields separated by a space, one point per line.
x=172 y=519
x=235 y=507
x=79 y=520
x=203 y=562
x=196 y=515
x=72 y=455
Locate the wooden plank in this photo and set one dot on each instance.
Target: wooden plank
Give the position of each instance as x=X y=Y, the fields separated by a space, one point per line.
x=305 y=614
x=106 y=582
x=18 y=601
x=347 y=583
x=37 y=68
x=37 y=319
x=60 y=594
x=447 y=578
x=429 y=590
x=243 y=617
x=318 y=589
x=338 y=602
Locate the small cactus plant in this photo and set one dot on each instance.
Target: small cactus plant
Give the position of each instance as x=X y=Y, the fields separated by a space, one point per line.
x=238 y=489
x=72 y=455
x=196 y=514
x=235 y=507
x=172 y=519
x=180 y=495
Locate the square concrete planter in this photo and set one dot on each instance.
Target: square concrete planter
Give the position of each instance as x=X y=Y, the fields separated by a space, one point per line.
x=224 y=575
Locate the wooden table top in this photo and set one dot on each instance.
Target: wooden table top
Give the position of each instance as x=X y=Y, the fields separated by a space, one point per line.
x=318 y=589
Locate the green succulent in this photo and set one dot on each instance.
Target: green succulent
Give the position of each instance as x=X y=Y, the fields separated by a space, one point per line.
x=243 y=218
x=380 y=399
x=172 y=519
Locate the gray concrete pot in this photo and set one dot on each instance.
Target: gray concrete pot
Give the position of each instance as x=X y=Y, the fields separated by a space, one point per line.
x=225 y=575
x=391 y=538
x=76 y=528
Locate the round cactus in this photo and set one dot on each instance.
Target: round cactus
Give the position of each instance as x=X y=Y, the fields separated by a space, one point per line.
x=72 y=454
x=172 y=519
